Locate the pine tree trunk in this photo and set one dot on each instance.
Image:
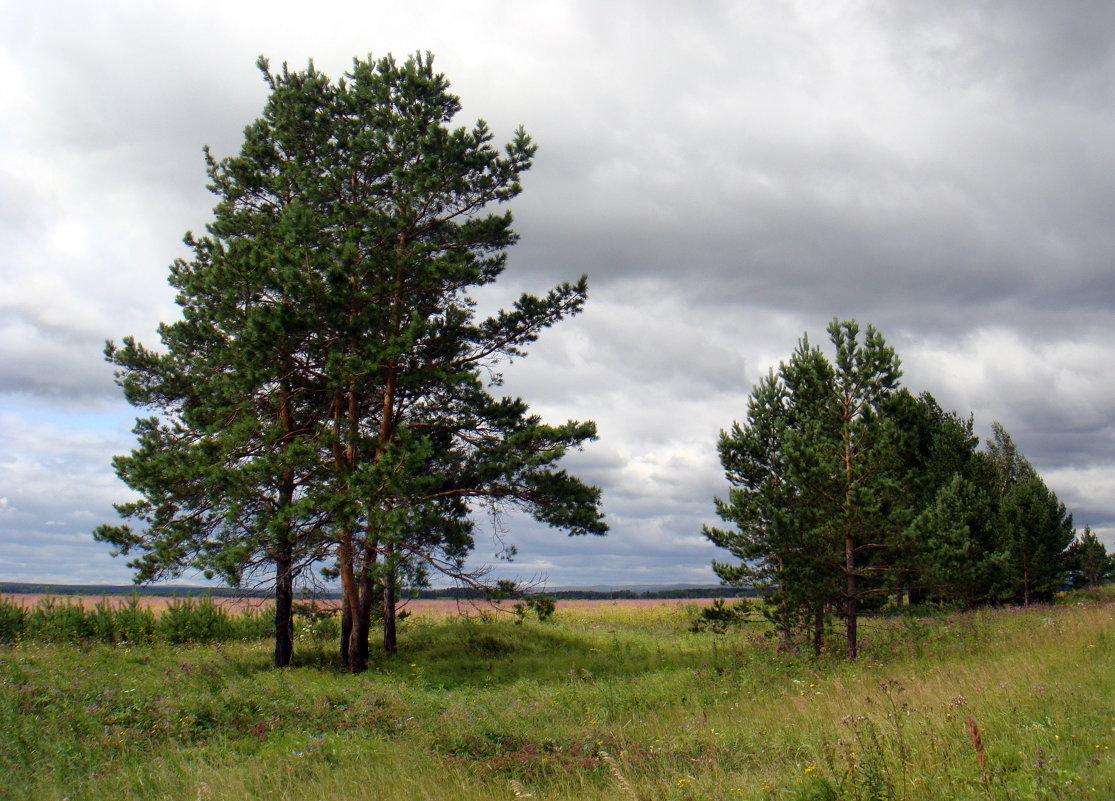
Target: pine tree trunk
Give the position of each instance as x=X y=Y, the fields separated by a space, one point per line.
x=367 y=600
x=284 y=607
x=284 y=558
x=356 y=657
x=387 y=425
x=346 y=435
x=851 y=602
x=346 y=633
x=350 y=601
x=390 y=642
x=818 y=629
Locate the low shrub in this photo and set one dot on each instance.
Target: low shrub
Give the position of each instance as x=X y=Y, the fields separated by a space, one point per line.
x=58 y=621
x=316 y=623
x=254 y=624
x=185 y=620
x=196 y=620
x=129 y=622
x=13 y=621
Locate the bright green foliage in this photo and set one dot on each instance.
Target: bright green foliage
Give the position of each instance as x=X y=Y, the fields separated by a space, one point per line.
x=326 y=394
x=13 y=621
x=183 y=621
x=129 y=622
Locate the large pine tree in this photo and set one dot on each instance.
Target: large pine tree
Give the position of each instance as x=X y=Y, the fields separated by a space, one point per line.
x=326 y=394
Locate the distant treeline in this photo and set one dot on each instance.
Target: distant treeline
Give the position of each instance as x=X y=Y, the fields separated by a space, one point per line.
x=18 y=588
x=451 y=593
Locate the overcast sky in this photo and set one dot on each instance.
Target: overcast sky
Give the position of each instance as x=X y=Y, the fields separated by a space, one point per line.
x=730 y=175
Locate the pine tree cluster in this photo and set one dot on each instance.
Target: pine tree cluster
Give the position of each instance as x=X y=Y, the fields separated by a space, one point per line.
x=848 y=492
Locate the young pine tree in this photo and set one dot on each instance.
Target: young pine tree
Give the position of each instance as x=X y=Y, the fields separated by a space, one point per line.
x=813 y=475
x=1089 y=563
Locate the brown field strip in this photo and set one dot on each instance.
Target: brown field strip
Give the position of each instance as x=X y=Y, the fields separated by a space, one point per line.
x=426 y=607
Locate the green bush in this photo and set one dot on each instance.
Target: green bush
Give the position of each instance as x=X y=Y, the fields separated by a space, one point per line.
x=317 y=627
x=103 y=621
x=254 y=624
x=13 y=621
x=134 y=623
x=186 y=620
x=189 y=620
x=128 y=623
x=59 y=622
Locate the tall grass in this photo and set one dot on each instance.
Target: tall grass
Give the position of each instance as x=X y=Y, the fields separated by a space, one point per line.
x=603 y=703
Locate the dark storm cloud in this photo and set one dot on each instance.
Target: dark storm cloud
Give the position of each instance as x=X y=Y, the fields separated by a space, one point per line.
x=858 y=229
x=1028 y=47
x=988 y=200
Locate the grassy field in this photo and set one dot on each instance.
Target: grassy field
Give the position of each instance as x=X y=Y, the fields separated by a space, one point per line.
x=609 y=701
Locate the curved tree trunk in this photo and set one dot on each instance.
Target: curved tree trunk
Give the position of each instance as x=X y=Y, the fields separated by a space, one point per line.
x=350 y=604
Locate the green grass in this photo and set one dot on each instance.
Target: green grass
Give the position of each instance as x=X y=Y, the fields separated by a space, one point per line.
x=483 y=708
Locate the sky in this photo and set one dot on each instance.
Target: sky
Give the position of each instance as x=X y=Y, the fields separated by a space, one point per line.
x=729 y=175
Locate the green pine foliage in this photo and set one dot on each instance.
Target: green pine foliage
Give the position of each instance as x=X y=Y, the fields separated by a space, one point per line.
x=812 y=475
x=1089 y=563
x=185 y=620
x=1037 y=529
x=847 y=490
x=327 y=395
x=955 y=547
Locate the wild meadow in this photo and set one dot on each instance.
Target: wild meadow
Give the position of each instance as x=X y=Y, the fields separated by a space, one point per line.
x=604 y=701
